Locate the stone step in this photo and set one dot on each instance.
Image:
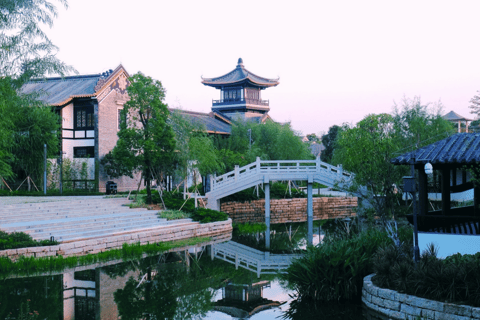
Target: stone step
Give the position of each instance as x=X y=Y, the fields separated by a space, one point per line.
x=67 y=214
x=81 y=221
x=61 y=205
x=70 y=229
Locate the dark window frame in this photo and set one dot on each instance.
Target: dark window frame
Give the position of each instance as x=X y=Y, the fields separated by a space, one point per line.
x=84 y=152
x=87 y=120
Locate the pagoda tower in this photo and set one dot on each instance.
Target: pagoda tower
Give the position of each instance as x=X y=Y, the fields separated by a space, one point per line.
x=240 y=93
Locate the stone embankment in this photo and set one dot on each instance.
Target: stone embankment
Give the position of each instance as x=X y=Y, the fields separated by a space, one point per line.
x=221 y=230
x=290 y=210
x=397 y=305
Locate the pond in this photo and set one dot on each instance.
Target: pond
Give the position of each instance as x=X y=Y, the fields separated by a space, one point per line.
x=191 y=283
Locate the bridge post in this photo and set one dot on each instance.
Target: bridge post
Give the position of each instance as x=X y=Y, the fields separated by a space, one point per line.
x=258 y=164
x=236 y=172
x=267 y=211
x=310 y=211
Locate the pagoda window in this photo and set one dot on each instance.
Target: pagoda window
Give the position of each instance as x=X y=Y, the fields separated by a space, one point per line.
x=232 y=94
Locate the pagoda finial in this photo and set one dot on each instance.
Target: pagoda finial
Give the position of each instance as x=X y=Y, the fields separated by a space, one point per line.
x=240 y=62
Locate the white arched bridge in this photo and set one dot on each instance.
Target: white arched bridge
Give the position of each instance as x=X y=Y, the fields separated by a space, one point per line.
x=262 y=172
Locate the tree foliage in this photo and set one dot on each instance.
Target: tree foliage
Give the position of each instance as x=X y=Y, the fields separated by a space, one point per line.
x=270 y=141
x=475 y=104
x=26 y=51
x=367 y=148
x=328 y=141
x=194 y=149
x=145 y=141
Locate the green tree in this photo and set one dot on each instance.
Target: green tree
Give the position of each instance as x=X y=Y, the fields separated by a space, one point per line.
x=475 y=104
x=26 y=51
x=312 y=137
x=328 y=141
x=195 y=149
x=35 y=125
x=146 y=141
x=367 y=148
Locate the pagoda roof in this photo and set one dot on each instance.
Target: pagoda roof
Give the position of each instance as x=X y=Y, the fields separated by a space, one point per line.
x=453 y=116
x=239 y=76
x=460 y=148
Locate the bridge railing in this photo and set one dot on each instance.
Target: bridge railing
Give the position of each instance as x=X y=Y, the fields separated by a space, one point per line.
x=281 y=167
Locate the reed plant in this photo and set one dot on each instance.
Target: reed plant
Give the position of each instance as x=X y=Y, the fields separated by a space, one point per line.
x=334 y=270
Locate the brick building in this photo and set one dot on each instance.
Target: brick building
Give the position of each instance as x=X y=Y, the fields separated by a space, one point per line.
x=89 y=107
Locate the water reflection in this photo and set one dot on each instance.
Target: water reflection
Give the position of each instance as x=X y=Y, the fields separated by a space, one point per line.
x=186 y=284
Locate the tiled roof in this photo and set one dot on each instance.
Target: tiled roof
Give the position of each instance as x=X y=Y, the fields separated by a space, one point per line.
x=55 y=91
x=453 y=116
x=211 y=124
x=461 y=148
x=238 y=76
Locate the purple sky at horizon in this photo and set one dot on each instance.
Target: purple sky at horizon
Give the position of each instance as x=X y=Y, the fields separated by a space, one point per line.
x=337 y=60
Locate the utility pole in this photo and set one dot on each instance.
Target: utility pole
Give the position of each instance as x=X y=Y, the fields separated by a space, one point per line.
x=45 y=169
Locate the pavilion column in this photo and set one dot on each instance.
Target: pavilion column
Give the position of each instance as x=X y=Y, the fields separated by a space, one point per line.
x=310 y=211
x=267 y=212
x=446 y=192
x=422 y=192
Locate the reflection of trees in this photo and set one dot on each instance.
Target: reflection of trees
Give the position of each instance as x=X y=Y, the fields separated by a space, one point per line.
x=173 y=291
x=284 y=238
x=41 y=296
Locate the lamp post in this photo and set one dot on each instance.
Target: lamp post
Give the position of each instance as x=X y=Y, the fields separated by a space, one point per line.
x=249 y=138
x=347 y=221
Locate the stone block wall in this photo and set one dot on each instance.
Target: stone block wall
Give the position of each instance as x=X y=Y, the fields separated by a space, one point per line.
x=290 y=210
x=215 y=230
x=397 y=305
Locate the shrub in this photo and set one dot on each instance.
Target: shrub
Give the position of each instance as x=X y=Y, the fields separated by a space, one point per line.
x=454 y=279
x=335 y=269
x=21 y=240
x=204 y=215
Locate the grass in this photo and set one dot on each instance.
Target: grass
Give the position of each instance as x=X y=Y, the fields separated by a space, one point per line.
x=31 y=265
x=173 y=214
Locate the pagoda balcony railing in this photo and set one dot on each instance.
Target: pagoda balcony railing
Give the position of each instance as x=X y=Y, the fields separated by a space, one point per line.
x=237 y=101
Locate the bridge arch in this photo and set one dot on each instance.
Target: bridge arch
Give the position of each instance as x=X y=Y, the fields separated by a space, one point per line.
x=262 y=171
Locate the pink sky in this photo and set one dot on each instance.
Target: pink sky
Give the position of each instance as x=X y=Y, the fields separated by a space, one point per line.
x=337 y=60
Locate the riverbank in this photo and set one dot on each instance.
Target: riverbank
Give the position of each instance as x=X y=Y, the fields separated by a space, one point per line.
x=397 y=305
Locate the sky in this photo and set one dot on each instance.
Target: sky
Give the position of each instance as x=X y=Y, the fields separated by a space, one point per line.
x=337 y=60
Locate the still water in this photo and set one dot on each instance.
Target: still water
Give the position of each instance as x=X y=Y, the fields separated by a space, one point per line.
x=187 y=284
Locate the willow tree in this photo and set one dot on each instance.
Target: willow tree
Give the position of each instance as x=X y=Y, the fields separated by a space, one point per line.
x=146 y=141
x=26 y=52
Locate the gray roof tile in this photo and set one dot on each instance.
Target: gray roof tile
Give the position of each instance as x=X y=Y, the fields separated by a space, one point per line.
x=460 y=148
x=55 y=91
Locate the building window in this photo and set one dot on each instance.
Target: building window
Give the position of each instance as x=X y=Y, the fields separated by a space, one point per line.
x=83 y=152
x=84 y=118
